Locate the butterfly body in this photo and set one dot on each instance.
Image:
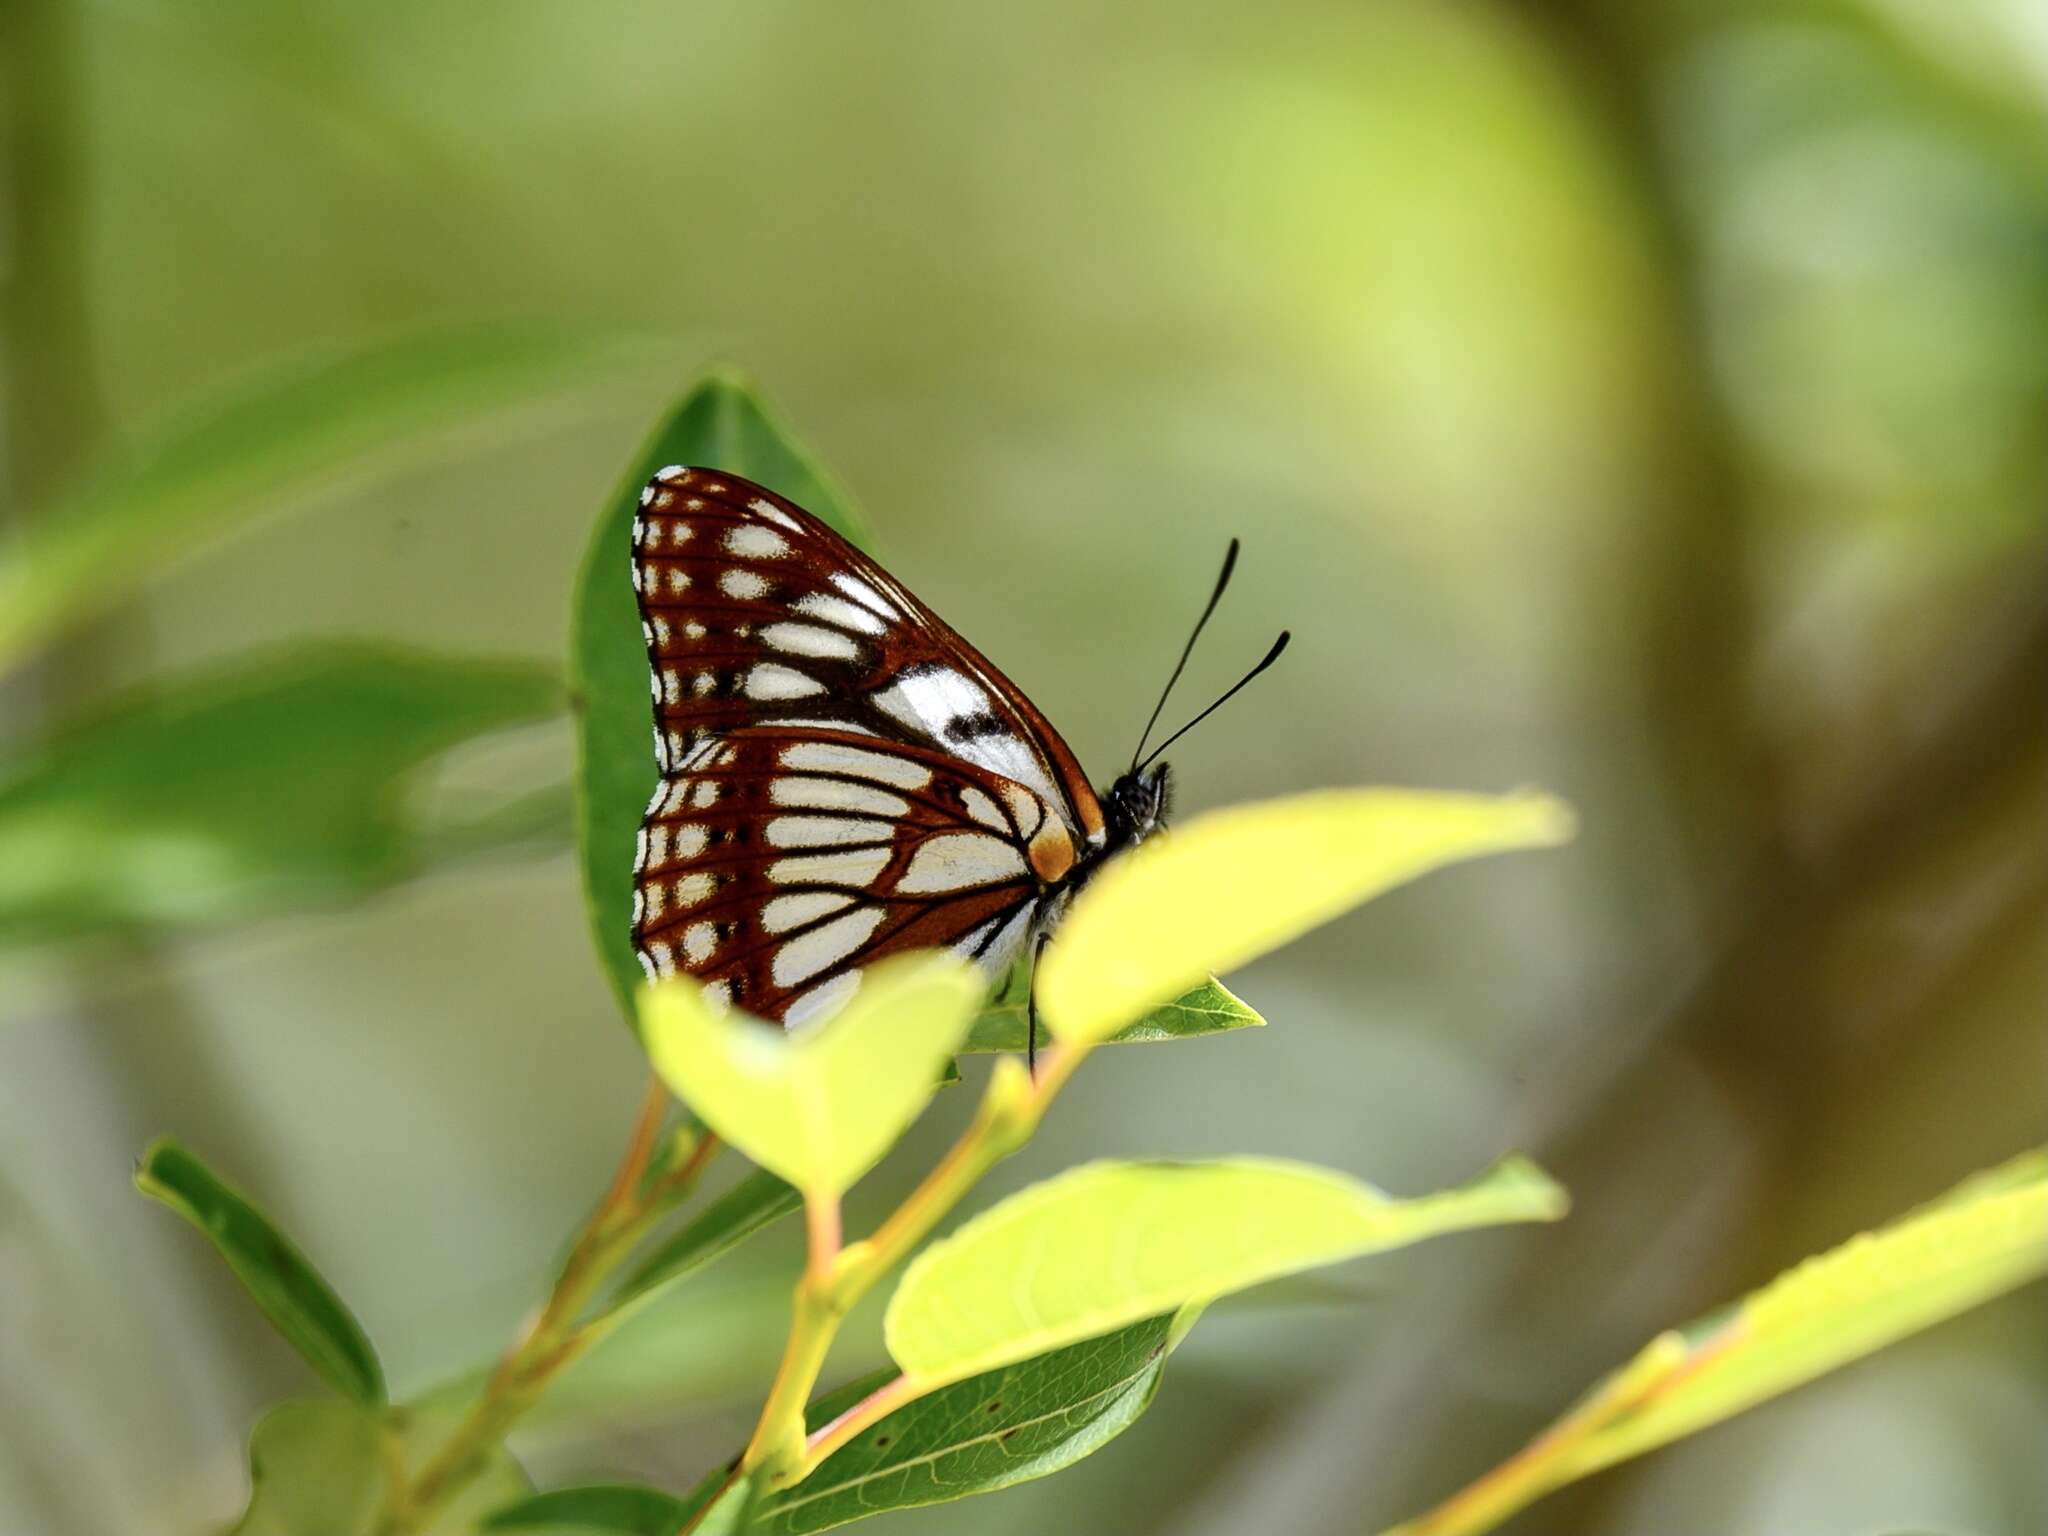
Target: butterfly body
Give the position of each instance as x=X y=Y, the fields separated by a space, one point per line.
x=843 y=776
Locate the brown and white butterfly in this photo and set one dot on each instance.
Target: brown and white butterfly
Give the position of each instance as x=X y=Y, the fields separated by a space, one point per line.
x=843 y=777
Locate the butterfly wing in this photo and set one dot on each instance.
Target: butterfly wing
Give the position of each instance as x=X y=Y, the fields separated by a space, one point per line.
x=783 y=861
x=843 y=776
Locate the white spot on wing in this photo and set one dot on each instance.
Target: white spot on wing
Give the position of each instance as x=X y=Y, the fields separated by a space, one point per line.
x=783 y=913
x=824 y=998
x=755 y=542
x=930 y=700
x=803 y=957
x=810 y=640
x=822 y=831
x=699 y=939
x=742 y=584
x=664 y=959
x=690 y=840
x=1003 y=948
x=861 y=592
x=837 y=610
x=767 y=680
x=855 y=868
x=678 y=579
x=959 y=861
x=983 y=809
x=705 y=794
x=692 y=889
x=851 y=727
x=836 y=795
x=858 y=762
x=773 y=513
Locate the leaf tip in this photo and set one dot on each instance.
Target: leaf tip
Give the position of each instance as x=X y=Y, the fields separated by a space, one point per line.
x=147 y=1162
x=1535 y=1192
x=1547 y=820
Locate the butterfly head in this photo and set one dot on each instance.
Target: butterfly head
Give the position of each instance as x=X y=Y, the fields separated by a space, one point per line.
x=1136 y=806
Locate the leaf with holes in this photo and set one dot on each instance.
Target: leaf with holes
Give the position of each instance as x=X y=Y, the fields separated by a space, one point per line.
x=720 y=422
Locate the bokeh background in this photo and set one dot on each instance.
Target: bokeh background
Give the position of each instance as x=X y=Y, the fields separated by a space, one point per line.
x=1644 y=401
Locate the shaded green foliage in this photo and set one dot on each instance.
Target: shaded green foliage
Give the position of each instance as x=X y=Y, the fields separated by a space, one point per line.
x=281 y=1280
x=238 y=458
x=1024 y=1421
x=237 y=792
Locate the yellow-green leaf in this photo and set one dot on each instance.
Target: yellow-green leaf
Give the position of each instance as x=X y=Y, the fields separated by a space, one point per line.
x=821 y=1104
x=1982 y=1239
x=1231 y=885
x=1111 y=1243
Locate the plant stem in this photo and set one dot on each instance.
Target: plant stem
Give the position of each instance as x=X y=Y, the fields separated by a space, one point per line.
x=870 y=1410
x=556 y=1335
x=1544 y=1463
x=836 y=1278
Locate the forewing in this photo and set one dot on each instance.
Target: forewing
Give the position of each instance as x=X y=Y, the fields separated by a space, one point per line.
x=781 y=860
x=756 y=613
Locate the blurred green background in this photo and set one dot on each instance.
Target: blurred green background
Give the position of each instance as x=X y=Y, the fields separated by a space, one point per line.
x=1644 y=401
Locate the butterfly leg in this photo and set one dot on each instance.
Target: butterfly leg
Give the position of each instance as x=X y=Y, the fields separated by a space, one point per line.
x=1031 y=1009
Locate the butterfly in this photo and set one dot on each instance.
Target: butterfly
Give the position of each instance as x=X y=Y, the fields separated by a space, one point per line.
x=843 y=776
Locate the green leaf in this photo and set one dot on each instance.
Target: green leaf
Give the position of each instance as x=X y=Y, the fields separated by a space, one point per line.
x=296 y=431
x=821 y=1104
x=1110 y=1243
x=1226 y=887
x=1984 y=1238
x=757 y=1201
x=730 y=1507
x=320 y=1467
x=630 y=1511
x=283 y=1283
x=233 y=793
x=1007 y=1426
x=1210 y=1009
x=720 y=424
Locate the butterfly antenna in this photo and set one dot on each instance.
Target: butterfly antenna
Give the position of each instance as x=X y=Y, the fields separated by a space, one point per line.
x=1222 y=581
x=1271 y=656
